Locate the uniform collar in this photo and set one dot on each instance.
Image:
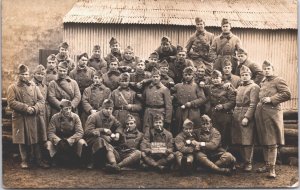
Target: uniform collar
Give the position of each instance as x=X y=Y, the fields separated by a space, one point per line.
x=158 y=86
x=68 y=79
x=81 y=69
x=49 y=71
x=247 y=83
x=62 y=117
x=226 y=35
x=270 y=78
x=202 y=33
x=95 y=86
x=21 y=83
x=38 y=83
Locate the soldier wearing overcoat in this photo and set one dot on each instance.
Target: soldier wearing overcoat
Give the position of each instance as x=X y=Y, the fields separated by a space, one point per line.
x=96 y=61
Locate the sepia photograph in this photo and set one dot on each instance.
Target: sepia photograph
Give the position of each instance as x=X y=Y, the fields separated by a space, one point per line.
x=155 y=94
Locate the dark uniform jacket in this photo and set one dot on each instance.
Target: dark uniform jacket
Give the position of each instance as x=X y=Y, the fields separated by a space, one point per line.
x=176 y=69
x=83 y=77
x=206 y=36
x=232 y=79
x=97 y=64
x=109 y=57
x=129 y=139
x=111 y=79
x=50 y=76
x=257 y=73
x=181 y=144
x=162 y=55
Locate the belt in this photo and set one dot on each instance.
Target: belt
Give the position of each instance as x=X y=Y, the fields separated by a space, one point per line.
x=242 y=105
x=155 y=106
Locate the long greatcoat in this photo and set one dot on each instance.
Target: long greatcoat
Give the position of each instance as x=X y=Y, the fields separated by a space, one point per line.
x=24 y=126
x=246 y=101
x=269 y=117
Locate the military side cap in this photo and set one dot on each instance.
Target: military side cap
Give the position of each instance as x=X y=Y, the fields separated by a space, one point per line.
x=189 y=70
x=65 y=103
x=113 y=41
x=52 y=57
x=63 y=64
x=188 y=123
x=98 y=73
x=154 y=55
x=65 y=45
x=205 y=119
x=245 y=69
x=216 y=74
x=164 y=63
x=130 y=118
x=198 y=20
x=225 y=21
x=128 y=49
x=165 y=39
x=124 y=77
x=227 y=62
x=158 y=117
x=39 y=69
x=22 y=69
x=114 y=59
x=96 y=47
x=242 y=51
x=266 y=64
x=107 y=103
x=155 y=71
x=83 y=55
x=180 y=49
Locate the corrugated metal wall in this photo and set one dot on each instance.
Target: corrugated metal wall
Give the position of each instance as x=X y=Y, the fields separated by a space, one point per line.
x=277 y=46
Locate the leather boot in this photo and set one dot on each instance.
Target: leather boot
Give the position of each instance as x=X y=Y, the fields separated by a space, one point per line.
x=264 y=169
x=272 y=173
x=205 y=161
x=248 y=155
x=272 y=155
x=24 y=156
x=133 y=158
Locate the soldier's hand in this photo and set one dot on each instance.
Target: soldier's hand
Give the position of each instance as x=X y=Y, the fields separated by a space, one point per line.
x=188 y=104
x=128 y=106
x=202 y=84
x=197 y=147
x=93 y=111
x=70 y=141
x=96 y=133
x=227 y=85
x=30 y=110
x=107 y=131
x=245 y=122
x=139 y=85
x=219 y=107
x=266 y=100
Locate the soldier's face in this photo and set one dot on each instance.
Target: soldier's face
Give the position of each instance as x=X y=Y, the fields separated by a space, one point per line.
x=245 y=77
x=128 y=55
x=226 y=28
x=24 y=76
x=242 y=58
x=66 y=111
x=97 y=80
x=188 y=130
x=200 y=72
x=130 y=125
x=107 y=111
x=227 y=70
x=153 y=59
x=164 y=70
x=206 y=126
x=216 y=80
x=51 y=64
x=188 y=77
x=97 y=53
x=124 y=84
x=158 y=125
x=268 y=71
x=62 y=73
x=63 y=51
x=83 y=61
x=181 y=56
x=140 y=66
x=115 y=47
x=166 y=46
x=39 y=76
x=155 y=79
x=113 y=66
x=200 y=26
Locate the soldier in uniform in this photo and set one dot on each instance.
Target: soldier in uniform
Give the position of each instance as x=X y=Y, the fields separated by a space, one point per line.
x=93 y=96
x=82 y=74
x=27 y=103
x=165 y=79
x=96 y=61
x=257 y=73
x=157 y=100
x=115 y=51
x=152 y=61
x=185 y=144
x=128 y=64
x=100 y=133
x=242 y=132
x=111 y=78
x=65 y=143
x=63 y=55
x=211 y=154
x=166 y=49
x=126 y=102
x=157 y=145
x=188 y=97
x=225 y=46
x=269 y=116
x=178 y=64
x=51 y=69
x=139 y=77
x=63 y=88
x=228 y=77
x=222 y=101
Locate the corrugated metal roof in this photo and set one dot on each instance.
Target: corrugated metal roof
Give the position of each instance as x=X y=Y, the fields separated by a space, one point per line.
x=260 y=14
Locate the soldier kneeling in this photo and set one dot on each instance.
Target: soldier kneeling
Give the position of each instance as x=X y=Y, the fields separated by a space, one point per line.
x=65 y=134
x=211 y=154
x=157 y=146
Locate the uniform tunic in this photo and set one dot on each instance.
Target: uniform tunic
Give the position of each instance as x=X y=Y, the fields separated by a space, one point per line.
x=269 y=116
x=166 y=81
x=246 y=101
x=131 y=64
x=98 y=64
x=109 y=57
x=83 y=77
x=166 y=55
x=111 y=79
x=205 y=36
x=176 y=69
x=181 y=144
x=257 y=73
x=50 y=76
x=232 y=79
x=71 y=63
x=20 y=97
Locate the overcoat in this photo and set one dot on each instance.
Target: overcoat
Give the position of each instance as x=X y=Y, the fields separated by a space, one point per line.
x=269 y=116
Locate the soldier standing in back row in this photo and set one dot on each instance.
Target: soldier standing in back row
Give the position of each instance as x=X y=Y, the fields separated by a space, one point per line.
x=269 y=116
x=228 y=77
x=115 y=51
x=166 y=49
x=63 y=55
x=128 y=64
x=111 y=78
x=51 y=69
x=96 y=61
x=225 y=46
x=152 y=61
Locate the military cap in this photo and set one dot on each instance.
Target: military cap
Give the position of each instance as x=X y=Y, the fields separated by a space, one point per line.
x=267 y=64
x=39 y=69
x=128 y=49
x=96 y=47
x=155 y=71
x=124 y=77
x=225 y=21
x=52 y=57
x=189 y=70
x=216 y=74
x=107 y=103
x=180 y=49
x=98 y=73
x=165 y=39
x=65 y=45
x=227 y=62
x=113 y=41
x=114 y=59
x=63 y=64
x=22 y=69
x=158 y=117
x=205 y=119
x=130 y=118
x=164 y=63
x=198 y=20
x=242 y=51
x=65 y=103
x=83 y=55
x=245 y=69
x=188 y=123
x=154 y=55
x=202 y=66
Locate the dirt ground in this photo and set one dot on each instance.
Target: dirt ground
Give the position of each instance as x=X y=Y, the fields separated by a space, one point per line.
x=15 y=177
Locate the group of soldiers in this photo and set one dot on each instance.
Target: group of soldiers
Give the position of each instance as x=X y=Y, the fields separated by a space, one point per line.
x=182 y=107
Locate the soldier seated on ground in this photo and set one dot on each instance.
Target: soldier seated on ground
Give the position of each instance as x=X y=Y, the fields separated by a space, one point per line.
x=187 y=147
x=65 y=134
x=211 y=154
x=157 y=146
